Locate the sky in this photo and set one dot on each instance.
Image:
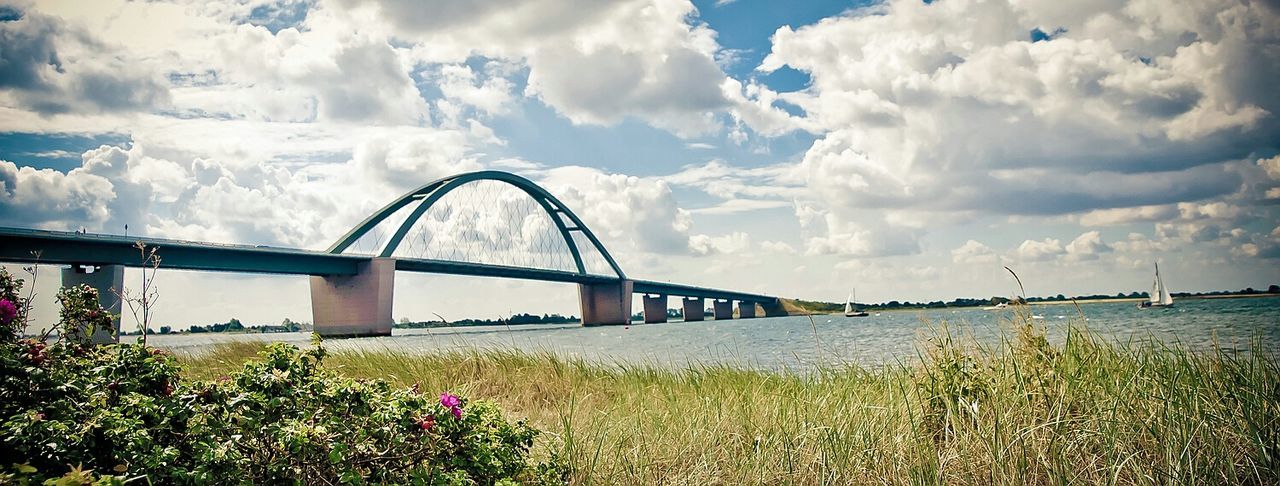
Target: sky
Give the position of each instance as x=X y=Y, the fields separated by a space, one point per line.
x=907 y=149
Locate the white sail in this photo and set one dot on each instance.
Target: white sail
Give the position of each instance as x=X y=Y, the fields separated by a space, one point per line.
x=848 y=304
x=1159 y=294
x=1165 y=297
x=1154 y=296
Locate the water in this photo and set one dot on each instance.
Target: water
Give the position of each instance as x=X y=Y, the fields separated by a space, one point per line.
x=789 y=343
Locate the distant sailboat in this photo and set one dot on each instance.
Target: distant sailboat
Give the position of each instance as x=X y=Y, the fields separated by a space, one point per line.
x=850 y=310
x=1160 y=296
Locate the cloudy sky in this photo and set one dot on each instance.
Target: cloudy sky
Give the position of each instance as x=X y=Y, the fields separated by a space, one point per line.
x=905 y=148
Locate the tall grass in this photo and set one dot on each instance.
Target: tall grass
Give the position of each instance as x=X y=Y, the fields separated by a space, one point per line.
x=1019 y=412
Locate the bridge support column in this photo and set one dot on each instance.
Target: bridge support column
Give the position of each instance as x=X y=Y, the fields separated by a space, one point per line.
x=655 y=309
x=605 y=303
x=774 y=309
x=746 y=310
x=723 y=309
x=107 y=280
x=355 y=305
x=693 y=310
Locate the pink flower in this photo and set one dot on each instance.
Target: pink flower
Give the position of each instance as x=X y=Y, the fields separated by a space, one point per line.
x=8 y=311
x=453 y=403
x=449 y=400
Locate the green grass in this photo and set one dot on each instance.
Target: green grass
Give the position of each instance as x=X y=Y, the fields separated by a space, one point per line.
x=1023 y=412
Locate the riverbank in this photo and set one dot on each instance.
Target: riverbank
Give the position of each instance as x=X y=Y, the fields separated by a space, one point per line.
x=1022 y=412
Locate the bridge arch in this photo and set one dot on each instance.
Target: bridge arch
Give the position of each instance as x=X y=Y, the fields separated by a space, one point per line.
x=427 y=195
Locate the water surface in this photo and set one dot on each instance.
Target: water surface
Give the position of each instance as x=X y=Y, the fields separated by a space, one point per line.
x=798 y=343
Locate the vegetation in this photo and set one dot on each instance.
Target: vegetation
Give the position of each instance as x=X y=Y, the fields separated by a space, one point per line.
x=74 y=413
x=1087 y=411
x=234 y=325
x=515 y=320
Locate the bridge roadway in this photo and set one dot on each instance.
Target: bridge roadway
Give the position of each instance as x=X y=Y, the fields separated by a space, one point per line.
x=19 y=245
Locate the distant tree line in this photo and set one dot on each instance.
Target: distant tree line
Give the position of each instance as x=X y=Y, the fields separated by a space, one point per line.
x=288 y=325
x=234 y=326
x=818 y=306
x=515 y=320
x=671 y=314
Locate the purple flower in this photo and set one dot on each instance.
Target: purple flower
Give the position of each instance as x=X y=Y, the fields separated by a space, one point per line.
x=457 y=412
x=449 y=400
x=8 y=311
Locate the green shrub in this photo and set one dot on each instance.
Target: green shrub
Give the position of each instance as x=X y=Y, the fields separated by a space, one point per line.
x=952 y=384
x=13 y=312
x=74 y=411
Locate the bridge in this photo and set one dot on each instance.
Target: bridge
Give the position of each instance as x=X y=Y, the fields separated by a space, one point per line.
x=435 y=228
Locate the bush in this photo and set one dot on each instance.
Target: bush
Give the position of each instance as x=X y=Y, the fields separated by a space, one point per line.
x=121 y=411
x=13 y=311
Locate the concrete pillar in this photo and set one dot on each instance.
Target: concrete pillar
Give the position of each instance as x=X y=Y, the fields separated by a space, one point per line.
x=693 y=310
x=605 y=303
x=723 y=308
x=774 y=309
x=655 y=309
x=746 y=310
x=355 y=305
x=108 y=280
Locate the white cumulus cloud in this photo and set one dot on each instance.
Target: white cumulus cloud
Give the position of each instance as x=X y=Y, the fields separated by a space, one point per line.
x=974 y=252
x=1042 y=250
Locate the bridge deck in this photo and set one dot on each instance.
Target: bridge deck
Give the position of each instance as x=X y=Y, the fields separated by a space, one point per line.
x=66 y=248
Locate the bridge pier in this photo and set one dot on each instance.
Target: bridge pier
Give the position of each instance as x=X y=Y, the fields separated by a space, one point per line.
x=693 y=310
x=774 y=309
x=355 y=305
x=107 y=280
x=723 y=309
x=655 y=309
x=605 y=303
x=746 y=310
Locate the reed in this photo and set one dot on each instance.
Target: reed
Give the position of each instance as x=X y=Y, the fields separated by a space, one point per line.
x=1020 y=412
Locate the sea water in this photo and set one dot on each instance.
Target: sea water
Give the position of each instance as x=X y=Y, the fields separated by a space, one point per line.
x=800 y=343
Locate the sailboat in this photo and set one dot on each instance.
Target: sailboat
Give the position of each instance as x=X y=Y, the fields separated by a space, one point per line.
x=850 y=310
x=1160 y=296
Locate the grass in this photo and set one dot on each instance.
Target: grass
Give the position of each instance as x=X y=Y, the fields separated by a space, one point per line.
x=1021 y=412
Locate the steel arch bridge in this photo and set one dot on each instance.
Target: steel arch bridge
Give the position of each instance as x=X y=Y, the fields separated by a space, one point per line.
x=351 y=294
x=566 y=222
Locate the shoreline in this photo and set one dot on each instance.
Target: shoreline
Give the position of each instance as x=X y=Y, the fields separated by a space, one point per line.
x=1064 y=302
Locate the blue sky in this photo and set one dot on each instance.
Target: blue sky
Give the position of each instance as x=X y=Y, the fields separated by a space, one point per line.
x=911 y=149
